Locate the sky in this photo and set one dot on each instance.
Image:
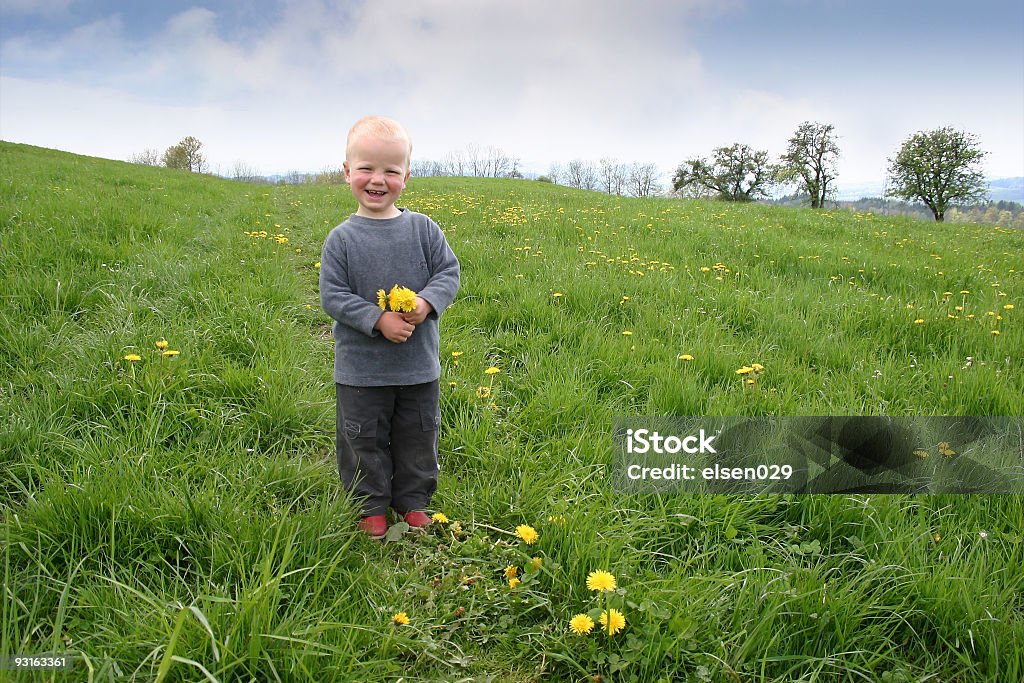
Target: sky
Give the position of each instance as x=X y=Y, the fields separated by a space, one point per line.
x=275 y=85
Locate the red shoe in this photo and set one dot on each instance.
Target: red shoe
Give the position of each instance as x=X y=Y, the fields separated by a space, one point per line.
x=417 y=519
x=376 y=526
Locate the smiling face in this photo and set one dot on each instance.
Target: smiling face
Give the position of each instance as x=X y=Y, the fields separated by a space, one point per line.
x=377 y=169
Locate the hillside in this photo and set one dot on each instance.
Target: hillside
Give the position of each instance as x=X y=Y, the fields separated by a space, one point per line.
x=179 y=517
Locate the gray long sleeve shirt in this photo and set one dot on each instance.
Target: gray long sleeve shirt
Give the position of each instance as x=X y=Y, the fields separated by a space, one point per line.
x=363 y=255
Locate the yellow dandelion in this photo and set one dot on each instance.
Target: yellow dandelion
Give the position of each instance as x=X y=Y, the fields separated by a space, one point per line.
x=456 y=528
x=132 y=357
x=492 y=371
x=527 y=533
x=919 y=321
x=513 y=582
x=439 y=517
x=946 y=450
x=920 y=453
x=455 y=354
x=581 y=624
x=402 y=299
x=536 y=562
x=483 y=392
x=170 y=352
x=995 y=332
x=745 y=370
x=613 y=621
x=162 y=344
x=382 y=299
x=757 y=367
x=1008 y=307
x=511 y=571
x=627 y=333
x=600 y=580
x=685 y=356
x=400 y=619
x=557 y=295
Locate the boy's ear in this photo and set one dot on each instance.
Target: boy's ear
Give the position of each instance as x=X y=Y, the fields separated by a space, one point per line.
x=344 y=168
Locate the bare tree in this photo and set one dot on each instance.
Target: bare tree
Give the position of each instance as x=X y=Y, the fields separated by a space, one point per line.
x=243 y=172
x=581 y=174
x=612 y=176
x=555 y=173
x=147 y=157
x=455 y=164
x=643 y=180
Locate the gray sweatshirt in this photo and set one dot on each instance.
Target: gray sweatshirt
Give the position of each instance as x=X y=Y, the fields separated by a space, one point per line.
x=363 y=255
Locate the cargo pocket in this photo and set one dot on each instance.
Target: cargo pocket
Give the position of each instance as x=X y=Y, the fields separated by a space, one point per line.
x=355 y=429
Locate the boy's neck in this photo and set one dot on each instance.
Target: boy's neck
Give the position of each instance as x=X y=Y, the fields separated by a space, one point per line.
x=383 y=216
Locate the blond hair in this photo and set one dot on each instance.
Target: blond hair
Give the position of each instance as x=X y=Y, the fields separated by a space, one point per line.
x=379 y=127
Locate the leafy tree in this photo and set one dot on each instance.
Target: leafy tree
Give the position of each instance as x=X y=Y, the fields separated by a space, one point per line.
x=938 y=167
x=186 y=155
x=809 y=161
x=736 y=173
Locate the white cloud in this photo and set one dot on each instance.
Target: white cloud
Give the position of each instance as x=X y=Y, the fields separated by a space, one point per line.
x=543 y=81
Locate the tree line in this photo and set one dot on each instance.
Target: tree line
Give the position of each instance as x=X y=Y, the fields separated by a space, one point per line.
x=939 y=169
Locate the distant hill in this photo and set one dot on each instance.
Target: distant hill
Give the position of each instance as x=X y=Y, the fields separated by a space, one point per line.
x=999 y=189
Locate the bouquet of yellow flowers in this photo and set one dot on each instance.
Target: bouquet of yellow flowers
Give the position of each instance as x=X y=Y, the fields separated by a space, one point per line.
x=399 y=299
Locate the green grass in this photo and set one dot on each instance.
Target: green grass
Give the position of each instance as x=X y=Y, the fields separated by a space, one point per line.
x=180 y=518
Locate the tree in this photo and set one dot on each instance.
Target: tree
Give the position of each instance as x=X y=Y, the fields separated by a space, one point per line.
x=147 y=157
x=938 y=167
x=737 y=173
x=185 y=155
x=643 y=180
x=810 y=160
x=612 y=176
x=581 y=174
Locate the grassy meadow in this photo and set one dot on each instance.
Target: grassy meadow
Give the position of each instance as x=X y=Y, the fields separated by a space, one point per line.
x=178 y=517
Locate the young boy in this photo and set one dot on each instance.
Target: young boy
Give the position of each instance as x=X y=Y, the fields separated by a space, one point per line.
x=386 y=364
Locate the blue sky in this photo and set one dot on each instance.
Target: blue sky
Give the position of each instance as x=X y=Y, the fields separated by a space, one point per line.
x=275 y=85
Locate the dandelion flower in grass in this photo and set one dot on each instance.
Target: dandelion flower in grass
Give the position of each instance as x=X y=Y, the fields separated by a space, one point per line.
x=527 y=533
x=513 y=582
x=745 y=370
x=483 y=392
x=400 y=619
x=132 y=357
x=613 y=621
x=492 y=371
x=756 y=367
x=439 y=517
x=627 y=333
x=1008 y=307
x=919 y=321
x=685 y=356
x=600 y=580
x=511 y=571
x=581 y=624
x=170 y=352
x=536 y=562
x=162 y=344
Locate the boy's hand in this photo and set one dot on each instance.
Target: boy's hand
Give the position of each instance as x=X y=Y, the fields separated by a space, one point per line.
x=423 y=309
x=394 y=327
